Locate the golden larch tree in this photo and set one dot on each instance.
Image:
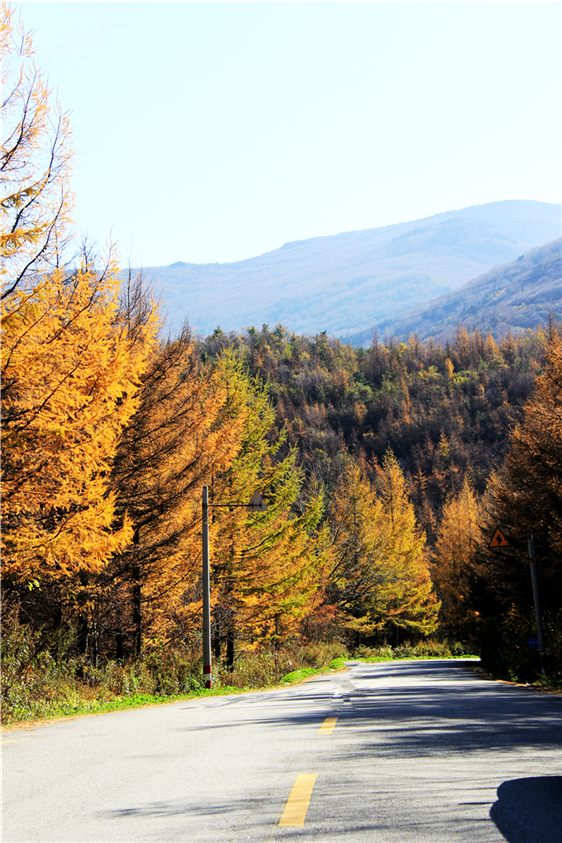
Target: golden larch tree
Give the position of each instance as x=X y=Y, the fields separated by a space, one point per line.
x=266 y=565
x=379 y=576
x=181 y=434
x=69 y=386
x=453 y=562
x=36 y=199
x=413 y=606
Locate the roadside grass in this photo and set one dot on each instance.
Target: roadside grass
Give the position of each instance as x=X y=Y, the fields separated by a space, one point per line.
x=85 y=706
x=338 y=663
x=43 y=685
x=33 y=714
x=421 y=650
x=409 y=658
x=549 y=684
x=298 y=675
x=552 y=684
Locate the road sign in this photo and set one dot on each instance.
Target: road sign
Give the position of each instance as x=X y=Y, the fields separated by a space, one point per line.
x=499 y=540
x=257 y=503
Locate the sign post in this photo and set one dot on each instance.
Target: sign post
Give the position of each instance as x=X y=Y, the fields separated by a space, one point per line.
x=499 y=540
x=535 y=582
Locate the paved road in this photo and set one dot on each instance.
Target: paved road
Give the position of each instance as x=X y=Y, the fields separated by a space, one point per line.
x=420 y=751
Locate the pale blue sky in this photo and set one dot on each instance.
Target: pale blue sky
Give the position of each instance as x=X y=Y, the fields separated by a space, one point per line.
x=217 y=131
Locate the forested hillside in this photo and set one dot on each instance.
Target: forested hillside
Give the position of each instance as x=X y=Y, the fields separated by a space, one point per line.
x=478 y=444
x=383 y=469
x=514 y=297
x=445 y=411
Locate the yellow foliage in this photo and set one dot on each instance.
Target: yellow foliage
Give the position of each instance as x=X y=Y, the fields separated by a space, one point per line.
x=266 y=565
x=531 y=491
x=458 y=538
x=36 y=200
x=208 y=427
x=181 y=434
x=70 y=377
x=379 y=576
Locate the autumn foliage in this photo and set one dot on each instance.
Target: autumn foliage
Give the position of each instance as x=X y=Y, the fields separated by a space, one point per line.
x=459 y=536
x=379 y=573
x=383 y=469
x=36 y=156
x=69 y=382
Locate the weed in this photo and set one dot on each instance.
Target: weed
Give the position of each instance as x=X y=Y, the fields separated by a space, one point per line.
x=40 y=683
x=297 y=675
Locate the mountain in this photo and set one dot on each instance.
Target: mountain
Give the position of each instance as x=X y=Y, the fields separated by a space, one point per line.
x=513 y=297
x=351 y=281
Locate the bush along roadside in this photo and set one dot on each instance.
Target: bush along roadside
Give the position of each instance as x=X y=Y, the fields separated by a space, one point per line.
x=304 y=673
x=40 y=684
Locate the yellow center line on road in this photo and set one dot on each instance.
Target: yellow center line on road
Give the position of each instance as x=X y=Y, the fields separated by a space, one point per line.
x=297 y=803
x=327 y=726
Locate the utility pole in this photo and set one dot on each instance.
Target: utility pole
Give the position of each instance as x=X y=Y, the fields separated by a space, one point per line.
x=535 y=582
x=207 y=678
x=257 y=504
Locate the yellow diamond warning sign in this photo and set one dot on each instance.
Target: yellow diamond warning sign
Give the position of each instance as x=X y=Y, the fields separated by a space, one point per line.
x=499 y=540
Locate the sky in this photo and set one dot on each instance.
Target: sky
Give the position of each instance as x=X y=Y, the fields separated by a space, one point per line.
x=214 y=132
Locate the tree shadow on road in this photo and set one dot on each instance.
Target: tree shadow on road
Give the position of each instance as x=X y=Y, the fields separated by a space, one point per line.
x=450 y=718
x=451 y=714
x=432 y=710
x=529 y=810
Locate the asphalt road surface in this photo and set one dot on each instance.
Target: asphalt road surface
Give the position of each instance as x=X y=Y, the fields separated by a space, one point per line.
x=403 y=752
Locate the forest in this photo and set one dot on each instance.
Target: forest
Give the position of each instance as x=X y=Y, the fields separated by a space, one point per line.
x=385 y=470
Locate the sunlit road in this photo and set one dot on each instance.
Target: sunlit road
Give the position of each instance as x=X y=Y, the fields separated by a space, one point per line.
x=402 y=752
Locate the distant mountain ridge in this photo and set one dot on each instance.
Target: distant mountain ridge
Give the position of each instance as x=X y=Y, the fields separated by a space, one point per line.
x=340 y=282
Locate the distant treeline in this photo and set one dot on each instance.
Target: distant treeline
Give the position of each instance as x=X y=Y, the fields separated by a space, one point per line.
x=444 y=410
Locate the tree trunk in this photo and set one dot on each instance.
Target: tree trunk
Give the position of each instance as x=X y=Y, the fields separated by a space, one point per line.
x=82 y=634
x=119 y=651
x=230 y=648
x=217 y=638
x=137 y=632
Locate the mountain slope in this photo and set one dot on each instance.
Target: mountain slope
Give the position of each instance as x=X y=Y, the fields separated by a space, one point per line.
x=332 y=283
x=516 y=296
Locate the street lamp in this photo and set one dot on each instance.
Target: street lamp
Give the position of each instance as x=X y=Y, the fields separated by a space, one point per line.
x=256 y=504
